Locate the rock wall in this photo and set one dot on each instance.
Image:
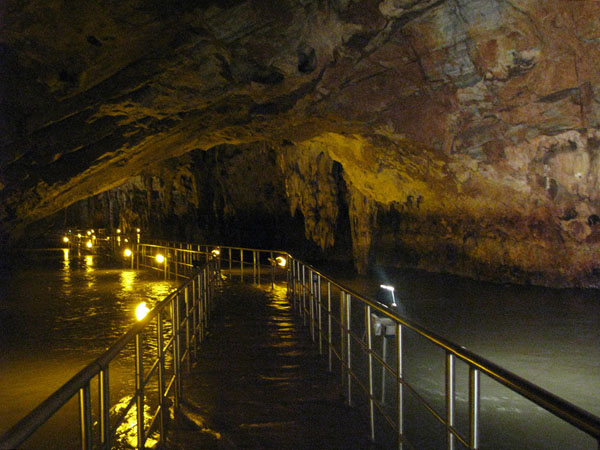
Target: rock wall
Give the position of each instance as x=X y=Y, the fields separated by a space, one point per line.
x=463 y=134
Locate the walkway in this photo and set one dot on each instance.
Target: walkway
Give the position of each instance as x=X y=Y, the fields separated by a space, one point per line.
x=260 y=383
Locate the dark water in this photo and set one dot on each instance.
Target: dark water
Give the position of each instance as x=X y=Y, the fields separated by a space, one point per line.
x=550 y=337
x=58 y=312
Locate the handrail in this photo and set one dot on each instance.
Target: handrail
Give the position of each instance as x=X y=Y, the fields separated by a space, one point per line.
x=576 y=416
x=304 y=293
x=195 y=295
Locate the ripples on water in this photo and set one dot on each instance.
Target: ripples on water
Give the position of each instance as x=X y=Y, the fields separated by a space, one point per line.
x=59 y=310
x=548 y=336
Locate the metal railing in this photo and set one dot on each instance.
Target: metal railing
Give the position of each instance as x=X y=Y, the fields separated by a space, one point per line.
x=176 y=325
x=341 y=322
x=344 y=321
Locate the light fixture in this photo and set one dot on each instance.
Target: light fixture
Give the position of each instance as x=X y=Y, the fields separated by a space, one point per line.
x=89 y=232
x=141 y=311
x=126 y=240
x=281 y=261
x=216 y=252
x=391 y=289
x=160 y=258
x=65 y=239
x=118 y=230
x=89 y=244
x=79 y=235
x=127 y=253
x=138 y=230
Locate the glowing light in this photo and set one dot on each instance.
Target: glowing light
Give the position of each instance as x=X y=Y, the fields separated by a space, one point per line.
x=65 y=239
x=141 y=311
x=89 y=244
x=118 y=230
x=127 y=253
x=79 y=235
x=281 y=261
x=138 y=230
x=160 y=258
x=89 y=233
x=126 y=240
x=391 y=289
x=216 y=252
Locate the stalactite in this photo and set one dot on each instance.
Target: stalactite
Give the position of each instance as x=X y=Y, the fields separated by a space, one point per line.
x=363 y=222
x=311 y=188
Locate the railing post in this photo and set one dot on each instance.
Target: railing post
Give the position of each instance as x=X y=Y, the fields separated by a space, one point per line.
x=139 y=388
x=272 y=269
x=294 y=284
x=242 y=265
x=370 y=372
x=343 y=335
x=229 y=262
x=176 y=349
x=205 y=298
x=329 y=319
x=188 y=364
x=85 y=416
x=304 y=293
x=400 y=385
x=161 y=376
x=349 y=346
x=195 y=287
x=104 y=397
x=474 y=408
x=311 y=308
x=449 y=400
x=258 y=265
x=320 y=325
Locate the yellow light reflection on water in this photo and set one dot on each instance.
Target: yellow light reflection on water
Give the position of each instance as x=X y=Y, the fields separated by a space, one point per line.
x=126 y=433
x=127 y=279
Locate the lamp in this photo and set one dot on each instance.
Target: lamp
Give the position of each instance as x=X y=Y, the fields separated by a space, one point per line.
x=141 y=311
x=391 y=289
x=281 y=261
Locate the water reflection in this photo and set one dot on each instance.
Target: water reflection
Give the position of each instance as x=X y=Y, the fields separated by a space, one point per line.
x=126 y=435
x=75 y=308
x=127 y=280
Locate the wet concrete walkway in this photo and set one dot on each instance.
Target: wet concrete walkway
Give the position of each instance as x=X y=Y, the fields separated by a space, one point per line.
x=260 y=384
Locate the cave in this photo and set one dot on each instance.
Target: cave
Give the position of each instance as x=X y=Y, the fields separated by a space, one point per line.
x=449 y=136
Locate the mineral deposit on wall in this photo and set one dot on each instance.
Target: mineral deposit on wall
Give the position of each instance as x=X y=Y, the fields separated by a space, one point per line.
x=454 y=135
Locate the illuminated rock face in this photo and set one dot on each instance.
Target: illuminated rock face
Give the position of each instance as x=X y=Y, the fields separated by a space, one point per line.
x=459 y=136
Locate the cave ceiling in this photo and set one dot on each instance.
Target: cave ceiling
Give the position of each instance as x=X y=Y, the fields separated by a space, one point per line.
x=477 y=119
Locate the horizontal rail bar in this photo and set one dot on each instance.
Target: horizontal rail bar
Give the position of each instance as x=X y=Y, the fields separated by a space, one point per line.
x=574 y=415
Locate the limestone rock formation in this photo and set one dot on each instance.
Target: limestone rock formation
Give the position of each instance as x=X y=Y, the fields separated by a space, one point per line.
x=456 y=135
